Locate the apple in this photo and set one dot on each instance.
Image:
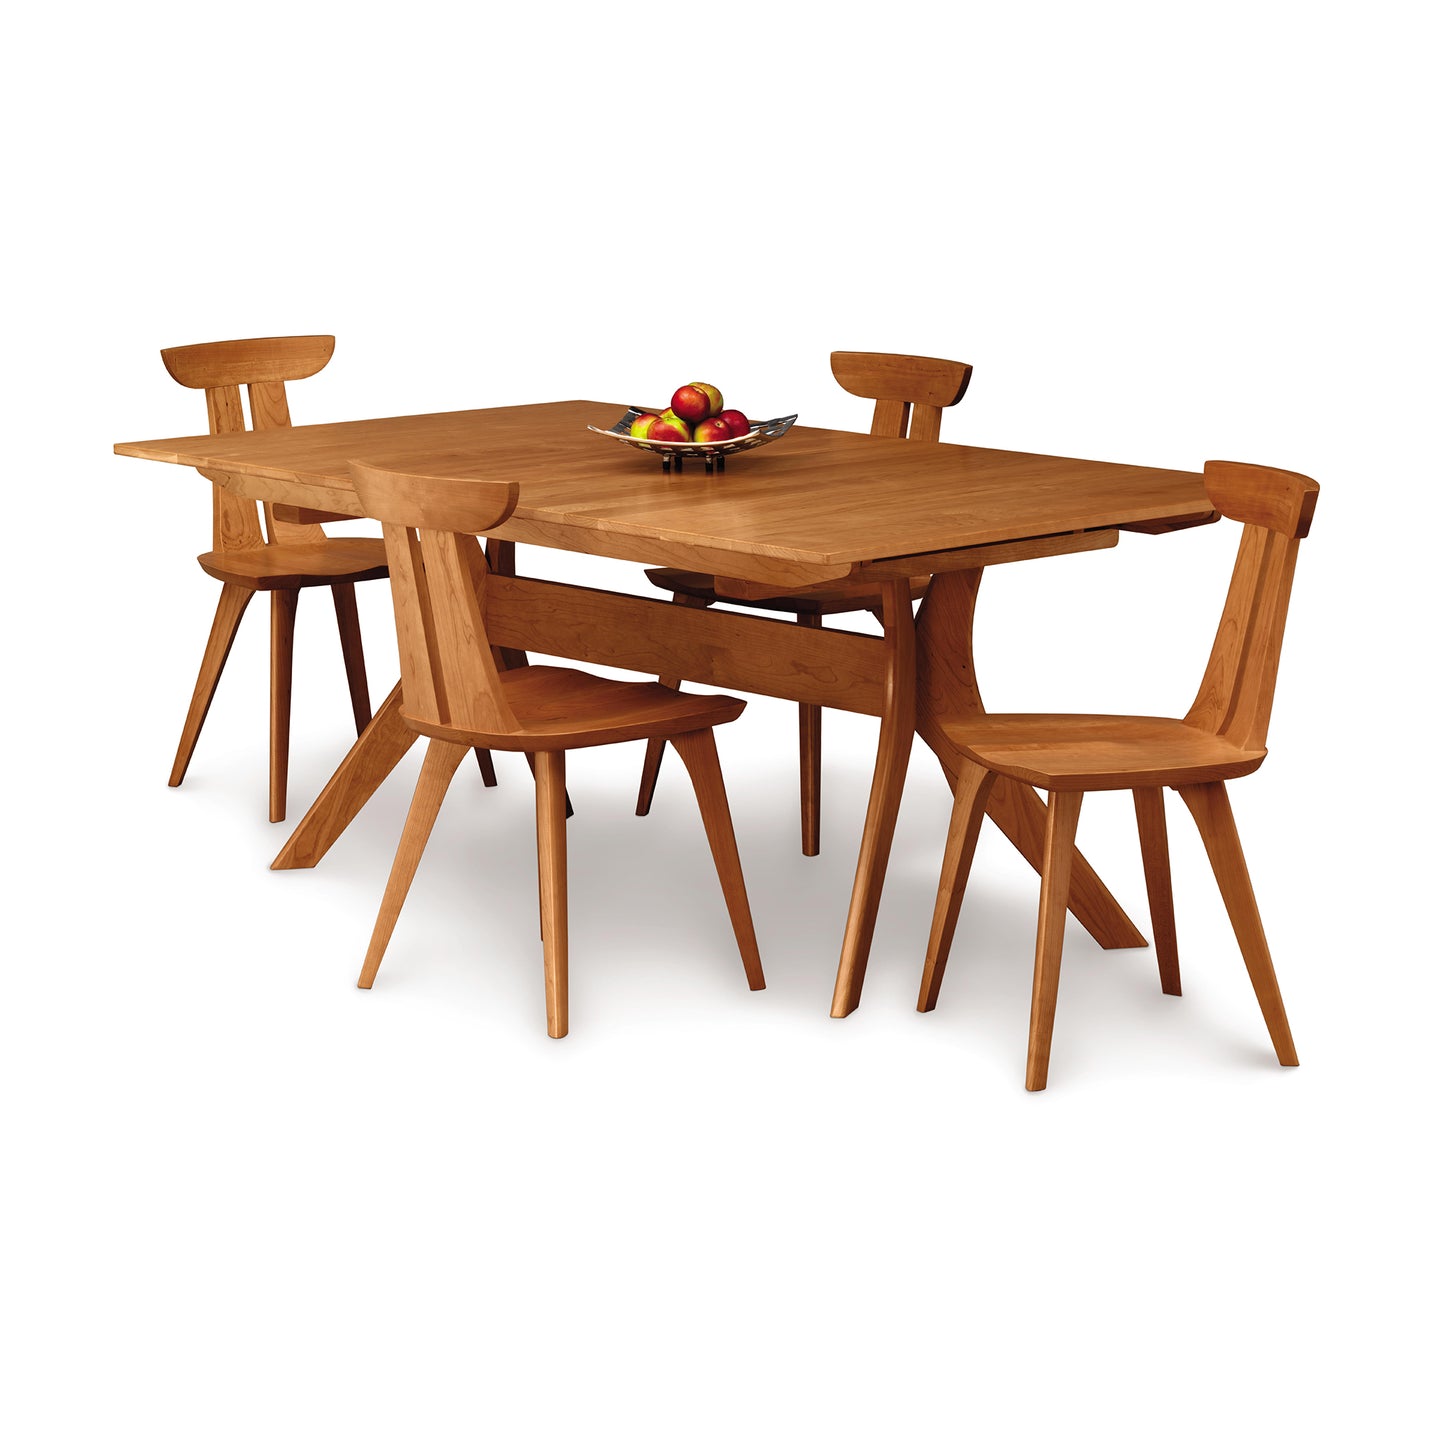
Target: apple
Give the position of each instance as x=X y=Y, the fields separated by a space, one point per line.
x=712 y=429
x=740 y=425
x=669 y=428
x=692 y=403
x=714 y=396
x=640 y=426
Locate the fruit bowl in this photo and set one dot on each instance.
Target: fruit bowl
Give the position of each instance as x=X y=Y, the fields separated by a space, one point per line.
x=713 y=454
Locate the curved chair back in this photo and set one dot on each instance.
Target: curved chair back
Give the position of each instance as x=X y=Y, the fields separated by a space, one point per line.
x=438 y=574
x=923 y=385
x=263 y=365
x=1276 y=508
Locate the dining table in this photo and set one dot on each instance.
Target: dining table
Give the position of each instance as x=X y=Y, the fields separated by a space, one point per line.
x=816 y=506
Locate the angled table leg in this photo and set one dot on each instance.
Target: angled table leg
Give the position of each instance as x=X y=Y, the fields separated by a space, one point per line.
x=947 y=687
x=381 y=746
x=895 y=738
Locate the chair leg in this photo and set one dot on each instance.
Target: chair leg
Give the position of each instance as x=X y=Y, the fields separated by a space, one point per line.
x=970 y=799
x=1209 y=803
x=488 y=767
x=698 y=751
x=552 y=882
x=532 y=764
x=1154 y=846
x=348 y=624
x=652 y=761
x=283 y=637
x=437 y=768
x=810 y=759
x=1059 y=829
x=229 y=610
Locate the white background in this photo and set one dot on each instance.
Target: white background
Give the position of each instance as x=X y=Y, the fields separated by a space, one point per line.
x=248 y=1202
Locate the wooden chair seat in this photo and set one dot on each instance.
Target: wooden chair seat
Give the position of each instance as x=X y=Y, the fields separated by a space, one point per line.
x=1083 y=752
x=821 y=601
x=284 y=565
x=564 y=707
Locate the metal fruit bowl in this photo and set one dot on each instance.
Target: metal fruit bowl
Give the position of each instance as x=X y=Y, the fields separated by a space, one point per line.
x=714 y=454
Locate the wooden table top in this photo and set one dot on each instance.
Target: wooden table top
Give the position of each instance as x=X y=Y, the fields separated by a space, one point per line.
x=816 y=501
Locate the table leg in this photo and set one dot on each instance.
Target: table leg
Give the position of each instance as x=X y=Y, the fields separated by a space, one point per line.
x=895 y=738
x=381 y=746
x=948 y=687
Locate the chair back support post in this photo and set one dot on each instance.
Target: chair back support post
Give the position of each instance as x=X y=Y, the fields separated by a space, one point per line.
x=263 y=365
x=903 y=386
x=1276 y=507
x=438 y=572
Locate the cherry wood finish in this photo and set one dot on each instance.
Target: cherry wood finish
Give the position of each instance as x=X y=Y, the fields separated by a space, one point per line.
x=814 y=507
x=1220 y=738
x=655 y=746
x=455 y=694
x=292 y=554
x=897 y=384
x=808 y=509
x=895 y=740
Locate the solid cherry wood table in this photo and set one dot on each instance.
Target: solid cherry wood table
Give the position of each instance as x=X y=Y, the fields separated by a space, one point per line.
x=813 y=507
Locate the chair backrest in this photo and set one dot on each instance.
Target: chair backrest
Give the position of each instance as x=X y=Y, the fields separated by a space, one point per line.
x=438 y=574
x=1276 y=508
x=900 y=384
x=263 y=365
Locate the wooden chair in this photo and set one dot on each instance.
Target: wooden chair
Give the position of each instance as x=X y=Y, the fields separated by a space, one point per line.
x=1222 y=736
x=293 y=553
x=899 y=385
x=454 y=694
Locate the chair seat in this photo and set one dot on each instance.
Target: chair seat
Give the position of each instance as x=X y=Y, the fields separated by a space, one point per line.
x=564 y=707
x=299 y=564
x=820 y=601
x=1082 y=752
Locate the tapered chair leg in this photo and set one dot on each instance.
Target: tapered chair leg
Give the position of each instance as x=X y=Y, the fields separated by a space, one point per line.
x=283 y=638
x=1154 y=846
x=1059 y=829
x=488 y=767
x=229 y=610
x=652 y=760
x=348 y=624
x=552 y=882
x=1209 y=803
x=810 y=759
x=970 y=799
x=532 y=764
x=437 y=768
x=651 y=764
x=698 y=752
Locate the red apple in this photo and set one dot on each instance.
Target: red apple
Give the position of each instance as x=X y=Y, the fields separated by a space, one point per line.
x=669 y=428
x=712 y=429
x=714 y=396
x=691 y=403
x=736 y=420
x=640 y=426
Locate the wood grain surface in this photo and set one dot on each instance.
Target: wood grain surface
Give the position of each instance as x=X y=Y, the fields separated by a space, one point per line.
x=822 y=501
